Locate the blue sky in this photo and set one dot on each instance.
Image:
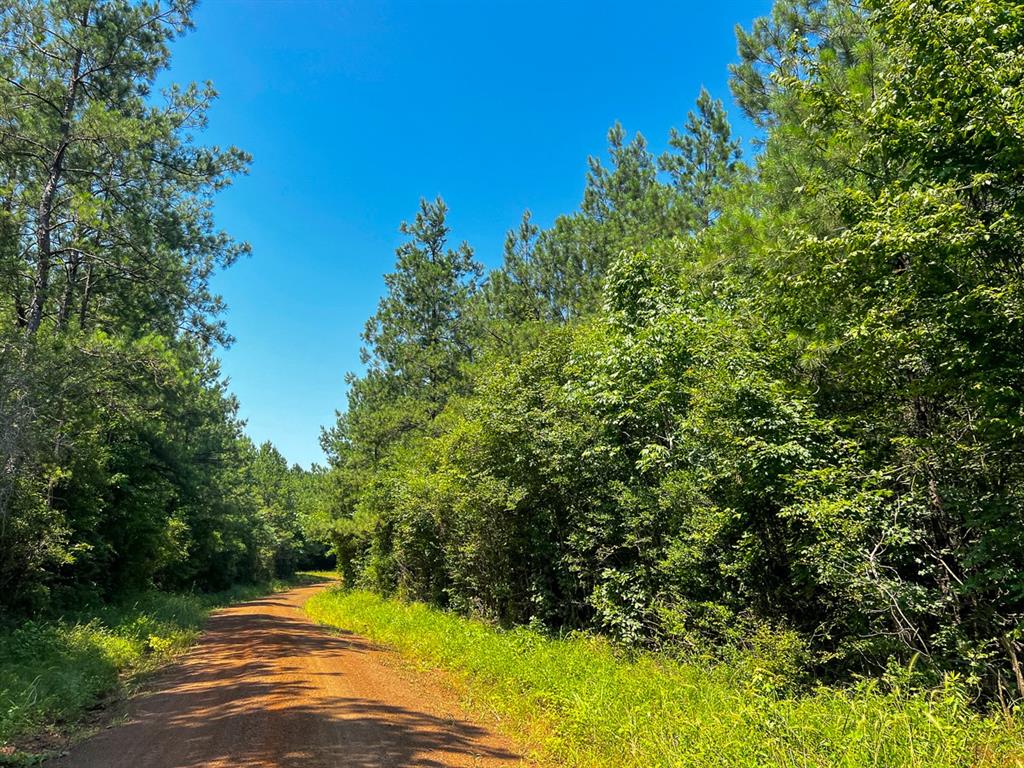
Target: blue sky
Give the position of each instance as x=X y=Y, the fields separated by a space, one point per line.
x=354 y=110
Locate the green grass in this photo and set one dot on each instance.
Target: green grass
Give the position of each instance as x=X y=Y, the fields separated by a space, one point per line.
x=318 y=576
x=53 y=671
x=580 y=703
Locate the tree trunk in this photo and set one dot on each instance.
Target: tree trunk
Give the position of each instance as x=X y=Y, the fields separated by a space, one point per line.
x=69 y=290
x=44 y=212
x=1011 y=651
x=83 y=312
x=20 y=311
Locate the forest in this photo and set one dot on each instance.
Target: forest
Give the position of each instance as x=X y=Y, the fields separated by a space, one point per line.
x=772 y=401
x=768 y=399
x=123 y=464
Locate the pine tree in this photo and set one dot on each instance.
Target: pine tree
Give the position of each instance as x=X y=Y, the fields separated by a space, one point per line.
x=706 y=158
x=423 y=329
x=109 y=196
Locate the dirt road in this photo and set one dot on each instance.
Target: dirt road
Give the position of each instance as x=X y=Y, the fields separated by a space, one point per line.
x=267 y=687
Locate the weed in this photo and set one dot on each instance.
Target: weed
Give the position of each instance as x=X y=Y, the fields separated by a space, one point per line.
x=583 y=703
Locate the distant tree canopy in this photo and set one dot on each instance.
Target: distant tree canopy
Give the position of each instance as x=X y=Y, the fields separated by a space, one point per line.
x=721 y=398
x=122 y=462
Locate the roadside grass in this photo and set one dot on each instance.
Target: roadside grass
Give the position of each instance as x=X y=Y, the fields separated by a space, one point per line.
x=578 y=702
x=53 y=671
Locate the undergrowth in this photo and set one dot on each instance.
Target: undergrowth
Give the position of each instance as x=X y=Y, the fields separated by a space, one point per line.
x=580 y=702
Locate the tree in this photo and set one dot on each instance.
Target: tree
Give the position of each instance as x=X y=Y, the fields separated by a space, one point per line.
x=423 y=329
x=706 y=161
x=123 y=461
x=916 y=327
x=109 y=196
x=781 y=402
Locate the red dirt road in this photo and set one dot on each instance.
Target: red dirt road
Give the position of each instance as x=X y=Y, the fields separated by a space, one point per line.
x=265 y=687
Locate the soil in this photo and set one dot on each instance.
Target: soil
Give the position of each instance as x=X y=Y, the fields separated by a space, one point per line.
x=266 y=687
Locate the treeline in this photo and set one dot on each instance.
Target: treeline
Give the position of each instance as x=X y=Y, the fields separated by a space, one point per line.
x=777 y=404
x=122 y=460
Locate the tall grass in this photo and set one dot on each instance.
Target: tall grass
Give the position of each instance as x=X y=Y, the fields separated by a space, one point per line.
x=582 y=704
x=52 y=671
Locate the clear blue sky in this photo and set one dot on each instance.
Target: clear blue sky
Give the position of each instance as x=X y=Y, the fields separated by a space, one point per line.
x=354 y=110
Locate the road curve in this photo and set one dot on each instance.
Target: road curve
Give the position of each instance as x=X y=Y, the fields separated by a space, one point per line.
x=266 y=687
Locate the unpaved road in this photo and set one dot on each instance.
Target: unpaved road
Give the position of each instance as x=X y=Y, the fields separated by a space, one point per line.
x=267 y=687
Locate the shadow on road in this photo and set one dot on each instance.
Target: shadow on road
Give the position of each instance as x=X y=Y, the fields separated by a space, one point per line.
x=266 y=687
